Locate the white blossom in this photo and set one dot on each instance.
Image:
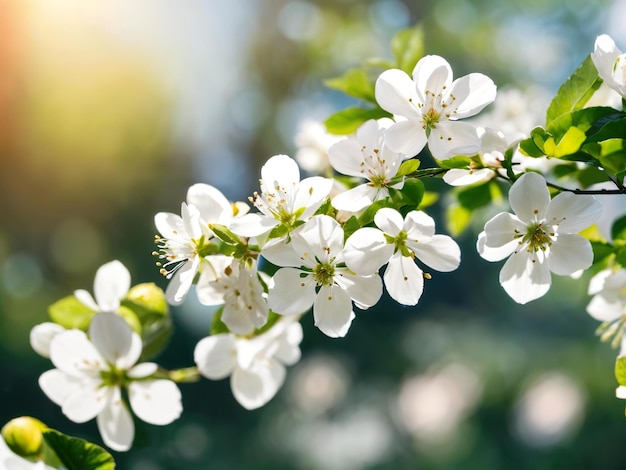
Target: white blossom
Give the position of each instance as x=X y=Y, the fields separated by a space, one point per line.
x=256 y=366
x=314 y=274
x=234 y=283
x=539 y=238
x=608 y=303
x=110 y=286
x=284 y=199
x=91 y=372
x=399 y=242
x=428 y=106
x=611 y=63
x=312 y=142
x=366 y=156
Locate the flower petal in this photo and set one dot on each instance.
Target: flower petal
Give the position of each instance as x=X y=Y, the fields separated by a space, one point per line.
x=111 y=285
x=216 y=356
x=603 y=309
x=452 y=138
x=389 y=221
x=115 y=423
x=86 y=299
x=290 y=293
x=472 y=92
x=288 y=351
x=181 y=282
x=41 y=335
x=58 y=386
x=213 y=206
x=461 y=177
x=570 y=253
x=111 y=336
x=74 y=354
x=573 y=212
x=282 y=170
x=440 y=252
x=332 y=311
x=365 y=291
x=529 y=197
x=419 y=225
x=253 y=225
x=432 y=73
x=523 y=279
x=310 y=194
x=254 y=387
x=395 y=92
x=406 y=137
x=170 y=225
x=358 y=198
x=86 y=401
x=404 y=280
x=346 y=157
x=321 y=238
x=501 y=236
x=367 y=250
x=155 y=401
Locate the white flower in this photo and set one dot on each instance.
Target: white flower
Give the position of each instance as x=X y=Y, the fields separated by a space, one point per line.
x=608 y=304
x=41 y=336
x=91 y=372
x=110 y=287
x=493 y=144
x=541 y=237
x=235 y=284
x=366 y=156
x=186 y=239
x=313 y=142
x=256 y=366
x=611 y=63
x=398 y=242
x=427 y=108
x=284 y=199
x=316 y=276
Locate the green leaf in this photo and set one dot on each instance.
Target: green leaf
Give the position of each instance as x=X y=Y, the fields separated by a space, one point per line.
x=474 y=197
x=620 y=370
x=613 y=155
x=224 y=234
x=570 y=143
x=584 y=119
x=70 y=313
x=530 y=148
x=355 y=82
x=412 y=193
x=350 y=226
x=610 y=127
x=620 y=256
x=457 y=219
x=575 y=91
x=456 y=162
x=368 y=214
x=78 y=454
x=560 y=171
x=618 y=230
x=408 y=167
x=590 y=176
x=408 y=48
x=348 y=120
x=600 y=250
x=429 y=198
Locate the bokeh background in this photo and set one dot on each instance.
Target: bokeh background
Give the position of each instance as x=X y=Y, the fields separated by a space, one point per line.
x=110 y=109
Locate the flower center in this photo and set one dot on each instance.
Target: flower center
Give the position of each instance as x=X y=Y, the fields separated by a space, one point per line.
x=113 y=377
x=323 y=274
x=399 y=243
x=174 y=253
x=537 y=238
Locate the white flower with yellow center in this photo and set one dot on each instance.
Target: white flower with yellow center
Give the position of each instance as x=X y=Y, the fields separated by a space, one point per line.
x=541 y=237
x=427 y=108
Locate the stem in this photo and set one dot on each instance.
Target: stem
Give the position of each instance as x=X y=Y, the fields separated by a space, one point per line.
x=185 y=375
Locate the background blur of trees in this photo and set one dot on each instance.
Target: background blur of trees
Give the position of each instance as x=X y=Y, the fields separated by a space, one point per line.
x=109 y=110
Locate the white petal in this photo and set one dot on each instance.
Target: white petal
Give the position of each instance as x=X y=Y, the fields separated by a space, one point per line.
x=358 y=198
x=111 y=285
x=432 y=73
x=603 y=309
x=452 y=138
x=570 y=253
x=406 y=137
x=472 y=92
x=181 y=282
x=503 y=231
x=346 y=157
x=281 y=253
x=116 y=425
x=213 y=206
x=395 y=92
x=494 y=253
x=604 y=55
x=288 y=351
x=57 y=385
x=41 y=335
x=280 y=169
x=74 y=354
x=439 y=252
x=213 y=268
x=310 y=194
x=332 y=311
x=529 y=197
x=389 y=221
x=191 y=220
x=253 y=225
x=291 y=294
x=132 y=356
x=321 y=237
x=170 y=225
x=620 y=392
x=143 y=370
x=111 y=336
x=216 y=356
x=461 y=177
x=253 y=388
x=155 y=401
x=365 y=291
x=523 y=279
x=573 y=212
x=596 y=283
x=86 y=402
x=367 y=250
x=419 y=225
x=86 y=299
x=404 y=280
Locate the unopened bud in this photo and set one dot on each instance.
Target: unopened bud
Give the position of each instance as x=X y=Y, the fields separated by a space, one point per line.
x=24 y=436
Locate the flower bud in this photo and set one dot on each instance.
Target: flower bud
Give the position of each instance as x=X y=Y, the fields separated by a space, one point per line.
x=24 y=436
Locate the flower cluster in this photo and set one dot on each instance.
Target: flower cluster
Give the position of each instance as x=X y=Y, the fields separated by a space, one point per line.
x=332 y=244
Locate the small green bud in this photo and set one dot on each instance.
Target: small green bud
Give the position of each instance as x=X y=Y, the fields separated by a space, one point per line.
x=149 y=297
x=24 y=436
